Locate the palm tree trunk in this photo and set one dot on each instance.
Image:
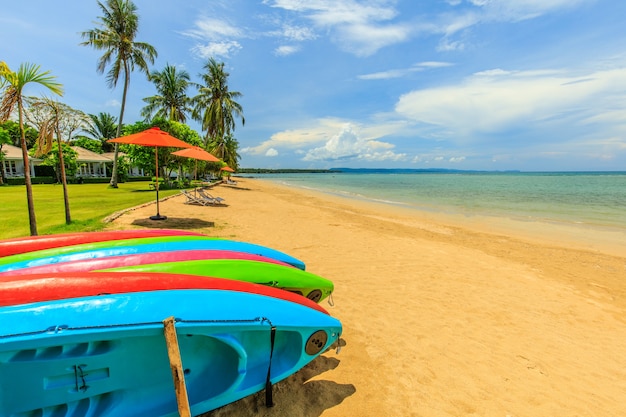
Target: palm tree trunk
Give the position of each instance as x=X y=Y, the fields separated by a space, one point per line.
x=66 y=199
x=27 y=181
x=119 y=127
x=113 y=182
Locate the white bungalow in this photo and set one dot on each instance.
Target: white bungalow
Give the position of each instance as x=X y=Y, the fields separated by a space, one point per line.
x=133 y=171
x=90 y=164
x=13 y=164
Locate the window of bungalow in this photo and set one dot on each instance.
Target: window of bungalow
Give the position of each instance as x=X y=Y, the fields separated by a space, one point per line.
x=10 y=167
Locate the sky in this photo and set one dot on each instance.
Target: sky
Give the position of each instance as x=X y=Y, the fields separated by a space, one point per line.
x=531 y=85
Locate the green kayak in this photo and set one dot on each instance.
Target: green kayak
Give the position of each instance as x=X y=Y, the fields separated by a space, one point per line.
x=287 y=278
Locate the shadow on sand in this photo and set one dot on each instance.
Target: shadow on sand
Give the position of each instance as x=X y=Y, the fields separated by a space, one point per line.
x=293 y=396
x=173 y=223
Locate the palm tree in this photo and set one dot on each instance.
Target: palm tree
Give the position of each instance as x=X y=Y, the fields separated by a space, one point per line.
x=227 y=149
x=12 y=97
x=215 y=105
x=116 y=37
x=102 y=127
x=171 y=102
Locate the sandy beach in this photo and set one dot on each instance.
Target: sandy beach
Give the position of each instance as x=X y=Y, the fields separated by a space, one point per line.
x=442 y=315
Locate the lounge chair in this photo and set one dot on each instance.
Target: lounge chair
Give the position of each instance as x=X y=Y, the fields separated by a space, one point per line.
x=209 y=198
x=197 y=200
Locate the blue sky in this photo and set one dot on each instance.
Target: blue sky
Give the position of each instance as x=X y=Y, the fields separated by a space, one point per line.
x=462 y=84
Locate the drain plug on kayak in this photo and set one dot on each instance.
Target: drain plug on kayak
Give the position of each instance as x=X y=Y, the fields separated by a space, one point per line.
x=316 y=342
x=315 y=296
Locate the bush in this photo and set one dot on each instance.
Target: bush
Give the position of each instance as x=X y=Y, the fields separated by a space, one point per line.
x=33 y=180
x=140 y=179
x=44 y=171
x=89 y=180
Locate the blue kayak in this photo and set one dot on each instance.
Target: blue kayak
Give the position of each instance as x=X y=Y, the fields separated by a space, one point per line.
x=106 y=355
x=135 y=246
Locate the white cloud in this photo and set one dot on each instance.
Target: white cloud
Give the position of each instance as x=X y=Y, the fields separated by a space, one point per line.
x=347 y=145
x=297 y=33
x=215 y=37
x=446 y=45
x=212 y=49
x=517 y=10
x=113 y=103
x=286 y=50
x=361 y=28
x=497 y=100
x=402 y=72
x=434 y=64
x=271 y=152
x=366 y=39
x=492 y=72
x=475 y=12
x=305 y=136
x=213 y=30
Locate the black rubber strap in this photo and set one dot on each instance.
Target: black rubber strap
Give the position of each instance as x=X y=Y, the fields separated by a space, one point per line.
x=269 y=402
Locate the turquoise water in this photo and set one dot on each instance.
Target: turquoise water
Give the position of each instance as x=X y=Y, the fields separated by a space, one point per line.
x=595 y=199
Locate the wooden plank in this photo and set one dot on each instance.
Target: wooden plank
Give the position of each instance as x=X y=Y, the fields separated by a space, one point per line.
x=176 y=364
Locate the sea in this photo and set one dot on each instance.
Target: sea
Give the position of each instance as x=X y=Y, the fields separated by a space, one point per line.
x=596 y=199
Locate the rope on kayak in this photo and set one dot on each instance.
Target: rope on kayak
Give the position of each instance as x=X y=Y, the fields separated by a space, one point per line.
x=331 y=302
x=64 y=327
x=269 y=402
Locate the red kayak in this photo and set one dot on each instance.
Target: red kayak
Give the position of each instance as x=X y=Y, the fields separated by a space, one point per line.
x=109 y=262
x=26 y=289
x=34 y=243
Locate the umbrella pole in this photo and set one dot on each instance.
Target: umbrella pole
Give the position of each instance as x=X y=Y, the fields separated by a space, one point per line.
x=156 y=157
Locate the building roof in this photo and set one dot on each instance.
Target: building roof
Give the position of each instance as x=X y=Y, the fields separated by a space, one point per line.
x=111 y=155
x=13 y=153
x=85 y=155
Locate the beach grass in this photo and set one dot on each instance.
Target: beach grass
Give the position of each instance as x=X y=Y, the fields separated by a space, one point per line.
x=89 y=205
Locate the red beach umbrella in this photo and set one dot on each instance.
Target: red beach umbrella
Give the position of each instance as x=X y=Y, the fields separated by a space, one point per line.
x=227 y=169
x=157 y=138
x=196 y=153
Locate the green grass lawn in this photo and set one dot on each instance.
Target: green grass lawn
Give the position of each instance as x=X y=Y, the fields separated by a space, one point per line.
x=89 y=205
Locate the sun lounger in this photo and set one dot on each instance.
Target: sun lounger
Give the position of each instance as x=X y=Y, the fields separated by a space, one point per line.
x=195 y=199
x=211 y=199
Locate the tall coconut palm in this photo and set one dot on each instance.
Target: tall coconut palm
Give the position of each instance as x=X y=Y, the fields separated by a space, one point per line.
x=102 y=127
x=171 y=102
x=116 y=37
x=12 y=97
x=215 y=105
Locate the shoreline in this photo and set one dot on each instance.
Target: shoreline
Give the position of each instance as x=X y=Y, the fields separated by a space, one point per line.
x=442 y=316
x=585 y=236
